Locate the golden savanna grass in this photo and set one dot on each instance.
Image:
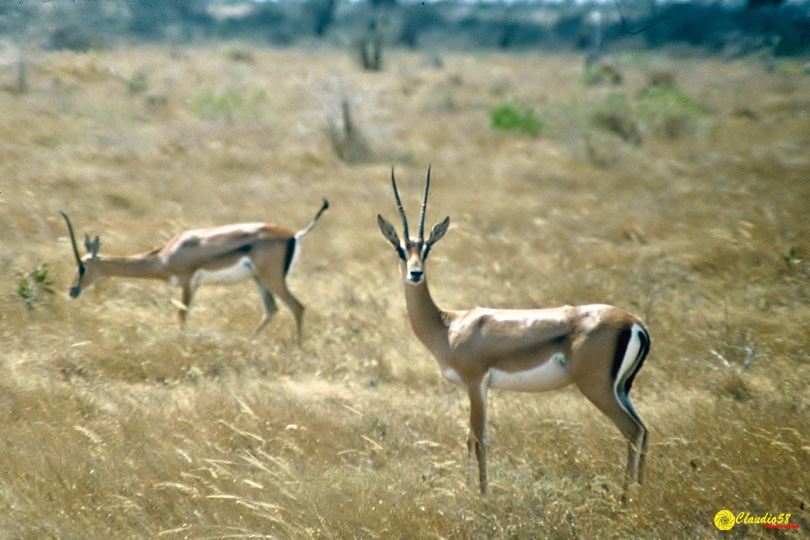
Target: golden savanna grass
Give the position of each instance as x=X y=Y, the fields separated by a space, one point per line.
x=117 y=425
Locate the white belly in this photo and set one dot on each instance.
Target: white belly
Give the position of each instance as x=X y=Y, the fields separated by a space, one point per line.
x=452 y=375
x=240 y=271
x=550 y=375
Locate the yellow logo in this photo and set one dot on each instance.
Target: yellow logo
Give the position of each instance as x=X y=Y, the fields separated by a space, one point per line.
x=724 y=520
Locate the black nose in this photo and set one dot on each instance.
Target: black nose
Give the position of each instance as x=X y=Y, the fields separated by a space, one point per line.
x=416 y=275
x=75 y=292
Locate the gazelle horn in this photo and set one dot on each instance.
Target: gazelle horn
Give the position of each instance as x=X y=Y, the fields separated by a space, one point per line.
x=399 y=206
x=424 y=206
x=72 y=239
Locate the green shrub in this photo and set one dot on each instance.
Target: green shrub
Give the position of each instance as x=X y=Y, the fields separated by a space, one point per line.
x=138 y=83
x=33 y=285
x=596 y=73
x=668 y=110
x=615 y=114
x=661 y=109
x=509 y=117
x=231 y=105
x=792 y=259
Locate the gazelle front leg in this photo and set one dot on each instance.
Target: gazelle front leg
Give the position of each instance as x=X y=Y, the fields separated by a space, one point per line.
x=477 y=438
x=185 y=306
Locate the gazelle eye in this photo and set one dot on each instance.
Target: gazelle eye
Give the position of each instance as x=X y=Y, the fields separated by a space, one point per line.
x=401 y=253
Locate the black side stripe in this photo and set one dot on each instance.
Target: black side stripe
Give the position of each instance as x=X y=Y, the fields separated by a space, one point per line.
x=288 y=256
x=621 y=348
x=245 y=249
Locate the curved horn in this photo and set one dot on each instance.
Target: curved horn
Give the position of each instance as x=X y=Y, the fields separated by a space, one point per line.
x=72 y=239
x=399 y=206
x=424 y=206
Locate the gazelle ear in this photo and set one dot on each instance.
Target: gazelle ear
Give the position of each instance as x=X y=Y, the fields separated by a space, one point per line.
x=92 y=247
x=438 y=231
x=390 y=234
x=388 y=230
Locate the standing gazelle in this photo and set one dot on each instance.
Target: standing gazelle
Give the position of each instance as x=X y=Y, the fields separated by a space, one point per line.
x=599 y=348
x=221 y=255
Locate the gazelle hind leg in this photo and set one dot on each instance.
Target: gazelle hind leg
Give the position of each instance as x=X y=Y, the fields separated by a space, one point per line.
x=642 y=458
x=275 y=285
x=628 y=423
x=295 y=306
x=272 y=277
x=636 y=452
x=636 y=352
x=636 y=434
x=268 y=303
x=638 y=446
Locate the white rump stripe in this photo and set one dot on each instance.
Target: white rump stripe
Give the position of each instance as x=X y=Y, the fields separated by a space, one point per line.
x=630 y=356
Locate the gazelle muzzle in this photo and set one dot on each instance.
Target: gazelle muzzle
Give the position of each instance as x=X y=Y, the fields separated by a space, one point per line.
x=415 y=269
x=76 y=290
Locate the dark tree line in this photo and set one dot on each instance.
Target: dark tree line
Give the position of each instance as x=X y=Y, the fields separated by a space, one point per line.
x=783 y=27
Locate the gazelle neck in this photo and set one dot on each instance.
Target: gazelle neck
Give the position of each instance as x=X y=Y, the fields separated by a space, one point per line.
x=139 y=266
x=429 y=322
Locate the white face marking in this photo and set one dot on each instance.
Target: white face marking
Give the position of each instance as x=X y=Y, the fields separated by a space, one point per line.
x=240 y=271
x=415 y=270
x=550 y=375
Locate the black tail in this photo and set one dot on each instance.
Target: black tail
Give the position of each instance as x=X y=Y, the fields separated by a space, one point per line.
x=312 y=223
x=293 y=243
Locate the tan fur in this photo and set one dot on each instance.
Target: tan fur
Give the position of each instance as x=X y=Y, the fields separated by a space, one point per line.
x=260 y=248
x=529 y=350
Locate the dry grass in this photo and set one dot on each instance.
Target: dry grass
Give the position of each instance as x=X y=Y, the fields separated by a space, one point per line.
x=116 y=426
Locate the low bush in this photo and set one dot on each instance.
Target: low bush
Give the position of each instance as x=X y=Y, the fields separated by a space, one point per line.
x=34 y=286
x=668 y=110
x=510 y=117
x=231 y=105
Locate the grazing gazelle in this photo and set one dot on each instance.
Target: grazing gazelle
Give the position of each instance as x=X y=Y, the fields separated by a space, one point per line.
x=598 y=348
x=220 y=255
